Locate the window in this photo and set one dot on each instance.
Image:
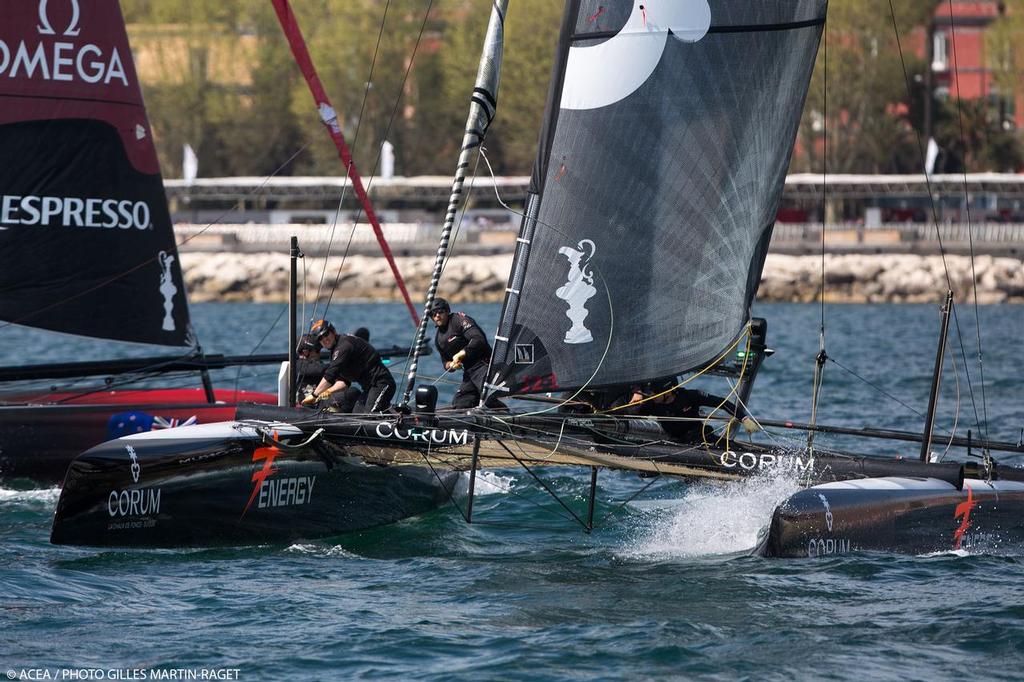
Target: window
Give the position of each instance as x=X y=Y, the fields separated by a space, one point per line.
x=940 y=55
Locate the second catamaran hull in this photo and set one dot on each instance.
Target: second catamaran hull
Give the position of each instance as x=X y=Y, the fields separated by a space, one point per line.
x=232 y=483
x=39 y=441
x=895 y=514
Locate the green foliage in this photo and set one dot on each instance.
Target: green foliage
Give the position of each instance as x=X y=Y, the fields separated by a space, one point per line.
x=218 y=74
x=1004 y=50
x=867 y=102
x=974 y=139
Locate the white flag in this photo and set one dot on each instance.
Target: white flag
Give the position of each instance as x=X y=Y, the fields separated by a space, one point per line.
x=189 y=163
x=930 y=156
x=387 y=160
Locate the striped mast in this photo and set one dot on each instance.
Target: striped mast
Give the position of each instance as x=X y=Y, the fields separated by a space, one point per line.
x=482 y=108
x=290 y=26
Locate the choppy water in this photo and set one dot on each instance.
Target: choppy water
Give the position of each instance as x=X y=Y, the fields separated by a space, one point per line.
x=662 y=589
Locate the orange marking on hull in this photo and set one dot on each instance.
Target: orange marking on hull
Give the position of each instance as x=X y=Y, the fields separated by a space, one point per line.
x=268 y=470
x=963 y=509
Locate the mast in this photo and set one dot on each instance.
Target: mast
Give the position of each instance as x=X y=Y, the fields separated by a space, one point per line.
x=933 y=396
x=482 y=109
x=293 y=340
x=528 y=226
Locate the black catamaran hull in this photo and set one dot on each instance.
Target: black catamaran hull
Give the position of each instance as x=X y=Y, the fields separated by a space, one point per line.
x=232 y=483
x=896 y=514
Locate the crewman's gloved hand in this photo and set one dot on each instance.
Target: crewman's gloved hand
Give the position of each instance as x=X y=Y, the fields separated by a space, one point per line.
x=309 y=400
x=457 y=359
x=750 y=426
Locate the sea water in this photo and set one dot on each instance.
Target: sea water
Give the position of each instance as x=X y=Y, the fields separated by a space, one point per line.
x=664 y=588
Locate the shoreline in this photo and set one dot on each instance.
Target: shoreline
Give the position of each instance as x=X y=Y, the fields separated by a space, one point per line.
x=888 y=278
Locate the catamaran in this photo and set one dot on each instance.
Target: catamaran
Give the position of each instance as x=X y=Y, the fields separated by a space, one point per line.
x=666 y=138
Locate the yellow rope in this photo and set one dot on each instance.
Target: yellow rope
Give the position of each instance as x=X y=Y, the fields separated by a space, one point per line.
x=710 y=366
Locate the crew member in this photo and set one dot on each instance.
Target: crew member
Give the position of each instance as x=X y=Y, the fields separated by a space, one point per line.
x=309 y=370
x=462 y=344
x=353 y=360
x=678 y=409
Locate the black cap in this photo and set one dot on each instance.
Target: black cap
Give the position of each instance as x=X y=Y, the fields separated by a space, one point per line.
x=307 y=342
x=661 y=385
x=362 y=333
x=440 y=304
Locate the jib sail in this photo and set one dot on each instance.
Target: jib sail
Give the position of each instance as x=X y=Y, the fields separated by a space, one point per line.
x=86 y=243
x=667 y=136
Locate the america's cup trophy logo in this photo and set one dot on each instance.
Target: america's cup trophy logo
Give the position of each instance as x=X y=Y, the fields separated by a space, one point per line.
x=167 y=289
x=578 y=289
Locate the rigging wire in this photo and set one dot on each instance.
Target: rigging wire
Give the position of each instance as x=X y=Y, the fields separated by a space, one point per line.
x=935 y=217
x=273 y=325
x=387 y=129
x=448 y=255
x=970 y=235
x=344 y=189
x=956 y=417
x=819 y=360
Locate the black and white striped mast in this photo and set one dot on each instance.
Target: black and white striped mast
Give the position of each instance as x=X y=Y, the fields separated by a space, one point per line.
x=483 y=105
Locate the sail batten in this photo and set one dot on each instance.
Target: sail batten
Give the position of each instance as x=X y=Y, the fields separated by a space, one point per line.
x=665 y=146
x=86 y=240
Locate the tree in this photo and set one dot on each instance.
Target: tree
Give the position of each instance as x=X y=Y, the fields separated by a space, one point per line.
x=972 y=135
x=872 y=107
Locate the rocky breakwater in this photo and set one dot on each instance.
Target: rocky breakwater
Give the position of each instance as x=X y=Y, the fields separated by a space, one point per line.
x=891 y=278
x=263 y=277
x=848 y=278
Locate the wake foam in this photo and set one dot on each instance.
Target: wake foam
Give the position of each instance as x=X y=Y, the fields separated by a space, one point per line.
x=311 y=549
x=487 y=483
x=715 y=519
x=36 y=496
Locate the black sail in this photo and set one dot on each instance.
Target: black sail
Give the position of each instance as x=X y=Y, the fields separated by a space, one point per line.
x=669 y=130
x=86 y=243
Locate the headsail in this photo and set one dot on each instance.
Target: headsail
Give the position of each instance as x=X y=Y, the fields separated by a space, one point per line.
x=86 y=243
x=668 y=133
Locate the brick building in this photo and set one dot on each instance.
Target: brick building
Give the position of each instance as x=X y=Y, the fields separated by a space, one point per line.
x=964 y=68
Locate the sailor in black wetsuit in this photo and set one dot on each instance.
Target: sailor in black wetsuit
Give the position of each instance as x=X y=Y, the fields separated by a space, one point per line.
x=462 y=344
x=680 y=408
x=309 y=370
x=353 y=360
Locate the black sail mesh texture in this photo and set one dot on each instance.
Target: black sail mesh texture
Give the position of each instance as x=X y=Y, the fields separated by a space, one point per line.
x=662 y=171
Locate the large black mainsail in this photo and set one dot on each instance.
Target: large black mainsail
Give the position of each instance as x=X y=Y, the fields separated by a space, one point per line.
x=86 y=244
x=666 y=141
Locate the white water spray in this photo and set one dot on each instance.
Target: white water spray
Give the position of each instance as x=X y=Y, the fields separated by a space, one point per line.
x=715 y=519
x=487 y=483
x=44 y=496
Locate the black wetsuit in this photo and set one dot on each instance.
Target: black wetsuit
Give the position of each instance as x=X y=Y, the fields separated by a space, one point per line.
x=463 y=333
x=356 y=361
x=685 y=404
x=309 y=372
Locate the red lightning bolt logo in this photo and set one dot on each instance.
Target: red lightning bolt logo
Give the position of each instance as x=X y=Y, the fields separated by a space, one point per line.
x=267 y=455
x=963 y=509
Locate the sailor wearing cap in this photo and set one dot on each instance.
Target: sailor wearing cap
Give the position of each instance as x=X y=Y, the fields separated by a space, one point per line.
x=353 y=360
x=462 y=345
